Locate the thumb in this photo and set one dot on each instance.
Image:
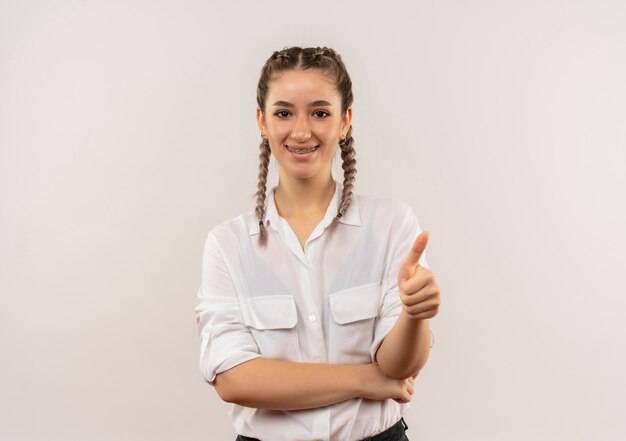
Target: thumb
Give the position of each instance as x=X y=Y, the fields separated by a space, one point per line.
x=410 y=263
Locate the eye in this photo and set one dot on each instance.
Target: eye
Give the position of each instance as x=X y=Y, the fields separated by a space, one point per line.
x=281 y=112
x=325 y=113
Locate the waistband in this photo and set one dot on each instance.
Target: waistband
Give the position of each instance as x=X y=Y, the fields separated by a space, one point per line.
x=393 y=433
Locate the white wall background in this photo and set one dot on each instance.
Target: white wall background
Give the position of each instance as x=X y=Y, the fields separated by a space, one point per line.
x=127 y=131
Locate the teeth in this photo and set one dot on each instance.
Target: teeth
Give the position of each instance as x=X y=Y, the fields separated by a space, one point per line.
x=302 y=150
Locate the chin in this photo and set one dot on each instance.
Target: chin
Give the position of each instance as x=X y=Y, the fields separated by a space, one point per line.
x=301 y=174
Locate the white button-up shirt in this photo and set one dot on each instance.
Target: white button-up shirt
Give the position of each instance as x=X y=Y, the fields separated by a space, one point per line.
x=332 y=302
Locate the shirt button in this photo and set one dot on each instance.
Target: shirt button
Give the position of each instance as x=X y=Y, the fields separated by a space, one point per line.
x=312 y=317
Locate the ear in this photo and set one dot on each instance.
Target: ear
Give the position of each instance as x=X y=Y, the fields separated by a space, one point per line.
x=260 y=119
x=346 y=120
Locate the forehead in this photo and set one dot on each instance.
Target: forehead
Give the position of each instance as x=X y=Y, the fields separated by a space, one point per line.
x=302 y=85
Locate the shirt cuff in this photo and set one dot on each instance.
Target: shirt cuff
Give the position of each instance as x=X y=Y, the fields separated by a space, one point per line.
x=222 y=350
x=382 y=331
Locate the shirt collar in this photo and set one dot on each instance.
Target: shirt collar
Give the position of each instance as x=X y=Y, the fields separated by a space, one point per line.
x=352 y=215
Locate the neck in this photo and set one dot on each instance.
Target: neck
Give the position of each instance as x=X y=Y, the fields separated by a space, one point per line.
x=303 y=197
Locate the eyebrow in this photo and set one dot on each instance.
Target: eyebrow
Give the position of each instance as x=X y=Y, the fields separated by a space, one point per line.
x=312 y=104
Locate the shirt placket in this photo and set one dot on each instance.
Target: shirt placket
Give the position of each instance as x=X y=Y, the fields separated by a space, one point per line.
x=312 y=307
x=320 y=422
x=312 y=310
x=312 y=326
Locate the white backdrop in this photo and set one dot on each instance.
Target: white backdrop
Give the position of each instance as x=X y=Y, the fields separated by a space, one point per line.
x=127 y=131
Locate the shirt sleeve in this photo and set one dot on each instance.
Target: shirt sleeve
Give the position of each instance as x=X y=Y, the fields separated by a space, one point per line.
x=225 y=340
x=405 y=230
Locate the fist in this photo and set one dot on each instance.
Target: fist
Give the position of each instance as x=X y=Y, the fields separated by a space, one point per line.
x=419 y=290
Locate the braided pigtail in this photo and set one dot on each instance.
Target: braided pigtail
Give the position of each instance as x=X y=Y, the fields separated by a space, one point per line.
x=264 y=160
x=349 y=171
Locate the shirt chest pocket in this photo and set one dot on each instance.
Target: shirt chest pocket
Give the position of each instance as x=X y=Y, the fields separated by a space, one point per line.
x=272 y=320
x=353 y=314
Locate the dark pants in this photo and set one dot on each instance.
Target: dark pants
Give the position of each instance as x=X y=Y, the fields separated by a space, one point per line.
x=394 y=433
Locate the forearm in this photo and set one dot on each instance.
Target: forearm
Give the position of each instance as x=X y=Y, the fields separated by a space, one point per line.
x=285 y=385
x=406 y=347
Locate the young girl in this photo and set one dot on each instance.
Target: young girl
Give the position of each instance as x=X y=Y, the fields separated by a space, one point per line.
x=314 y=307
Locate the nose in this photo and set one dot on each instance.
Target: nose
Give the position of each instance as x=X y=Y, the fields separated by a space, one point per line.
x=301 y=130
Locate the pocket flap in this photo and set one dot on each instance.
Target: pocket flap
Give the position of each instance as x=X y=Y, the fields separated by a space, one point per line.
x=358 y=303
x=272 y=312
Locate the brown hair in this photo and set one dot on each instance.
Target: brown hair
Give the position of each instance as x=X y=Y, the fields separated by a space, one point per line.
x=329 y=62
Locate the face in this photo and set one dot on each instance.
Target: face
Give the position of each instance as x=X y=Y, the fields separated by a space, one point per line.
x=303 y=111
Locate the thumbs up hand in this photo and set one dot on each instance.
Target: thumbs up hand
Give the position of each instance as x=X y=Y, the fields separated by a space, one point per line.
x=419 y=290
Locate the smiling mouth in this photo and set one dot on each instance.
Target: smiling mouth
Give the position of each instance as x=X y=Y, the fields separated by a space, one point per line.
x=302 y=150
